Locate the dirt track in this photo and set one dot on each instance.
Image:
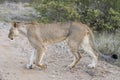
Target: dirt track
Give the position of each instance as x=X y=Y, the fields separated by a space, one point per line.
x=14 y=56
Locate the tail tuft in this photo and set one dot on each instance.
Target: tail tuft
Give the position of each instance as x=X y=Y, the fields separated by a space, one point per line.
x=114 y=56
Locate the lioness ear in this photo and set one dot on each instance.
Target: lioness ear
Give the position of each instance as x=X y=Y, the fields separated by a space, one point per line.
x=15 y=24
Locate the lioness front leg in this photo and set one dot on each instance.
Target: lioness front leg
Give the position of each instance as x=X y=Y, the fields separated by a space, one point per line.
x=31 y=65
x=39 y=56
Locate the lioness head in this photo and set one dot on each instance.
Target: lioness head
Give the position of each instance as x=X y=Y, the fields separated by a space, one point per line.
x=13 y=32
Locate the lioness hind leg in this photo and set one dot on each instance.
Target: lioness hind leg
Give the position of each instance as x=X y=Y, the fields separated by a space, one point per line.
x=93 y=57
x=77 y=58
x=87 y=47
x=76 y=54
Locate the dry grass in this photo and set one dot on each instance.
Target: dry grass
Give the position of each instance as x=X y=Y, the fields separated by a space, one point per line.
x=109 y=43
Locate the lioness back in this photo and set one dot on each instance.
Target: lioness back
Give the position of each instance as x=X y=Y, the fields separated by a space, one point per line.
x=50 y=33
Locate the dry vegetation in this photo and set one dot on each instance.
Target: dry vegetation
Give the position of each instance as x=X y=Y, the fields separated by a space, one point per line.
x=109 y=43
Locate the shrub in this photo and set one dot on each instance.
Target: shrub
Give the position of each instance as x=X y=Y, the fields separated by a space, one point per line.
x=77 y=10
x=57 y=10
x=99 y=21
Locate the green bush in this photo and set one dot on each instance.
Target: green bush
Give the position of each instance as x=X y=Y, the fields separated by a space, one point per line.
x=101 y=21
x=57 y=10
x=77 y=10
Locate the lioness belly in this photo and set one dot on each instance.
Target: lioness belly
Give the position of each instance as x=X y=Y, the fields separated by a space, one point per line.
x=52 y=35
x=49 y=38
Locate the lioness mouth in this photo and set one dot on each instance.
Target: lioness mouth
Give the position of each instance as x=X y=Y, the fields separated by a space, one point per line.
x=11 y=38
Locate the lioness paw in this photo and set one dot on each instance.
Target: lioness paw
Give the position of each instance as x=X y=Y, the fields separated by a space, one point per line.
x=43 y=66
x=29 y=66
x=70 y=66
x=91 y=66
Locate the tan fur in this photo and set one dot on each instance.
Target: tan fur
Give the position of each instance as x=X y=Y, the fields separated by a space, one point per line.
x=41 y=35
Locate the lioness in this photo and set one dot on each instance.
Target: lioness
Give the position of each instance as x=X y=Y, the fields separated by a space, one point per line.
x=41 y=35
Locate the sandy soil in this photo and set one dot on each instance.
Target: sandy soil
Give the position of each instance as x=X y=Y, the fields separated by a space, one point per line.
x=14 y=56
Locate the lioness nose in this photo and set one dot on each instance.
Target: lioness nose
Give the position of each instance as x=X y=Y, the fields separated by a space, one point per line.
x=10 y=37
